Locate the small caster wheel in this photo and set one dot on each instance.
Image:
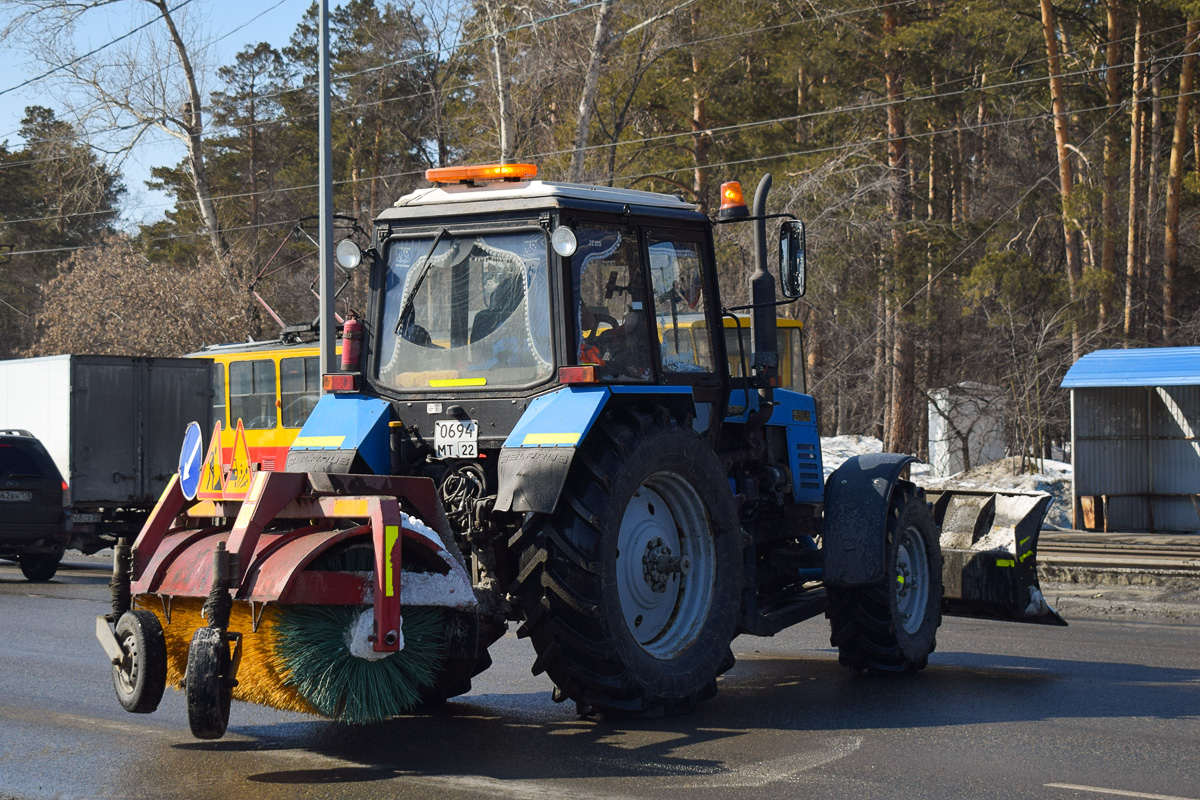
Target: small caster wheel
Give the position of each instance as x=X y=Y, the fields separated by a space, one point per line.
x=141 y=676
x=208 y=687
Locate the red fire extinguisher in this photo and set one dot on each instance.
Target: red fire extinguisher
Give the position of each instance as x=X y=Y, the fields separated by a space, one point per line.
x=352 y=332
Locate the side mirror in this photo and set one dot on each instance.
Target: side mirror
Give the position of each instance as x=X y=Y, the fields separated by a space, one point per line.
x=792 y=259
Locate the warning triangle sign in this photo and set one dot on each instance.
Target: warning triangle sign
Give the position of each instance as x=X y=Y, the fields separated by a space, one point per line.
x=212 y=477
x=238 y=483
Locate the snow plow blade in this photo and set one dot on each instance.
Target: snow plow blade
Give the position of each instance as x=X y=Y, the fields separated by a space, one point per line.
x=989 y=555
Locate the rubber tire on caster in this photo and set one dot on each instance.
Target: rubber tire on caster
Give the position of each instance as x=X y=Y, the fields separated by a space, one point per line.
x=615 y=634
x=140 y=679
x=891 y=626
x=209 y=689
x=39 y=567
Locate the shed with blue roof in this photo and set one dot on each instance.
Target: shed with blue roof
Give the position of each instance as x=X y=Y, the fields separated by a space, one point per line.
x=1135 y=439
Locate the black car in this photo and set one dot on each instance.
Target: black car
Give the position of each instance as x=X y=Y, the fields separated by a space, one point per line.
x=33 y=530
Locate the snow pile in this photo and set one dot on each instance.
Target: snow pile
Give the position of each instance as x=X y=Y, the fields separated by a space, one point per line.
x=836 y=449
x=1052 y=477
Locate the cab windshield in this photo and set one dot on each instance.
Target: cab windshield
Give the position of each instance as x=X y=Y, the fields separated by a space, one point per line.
x=465 y=310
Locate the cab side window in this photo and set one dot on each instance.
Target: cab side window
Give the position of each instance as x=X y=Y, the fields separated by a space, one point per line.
x=677 y=277
x=610 y=286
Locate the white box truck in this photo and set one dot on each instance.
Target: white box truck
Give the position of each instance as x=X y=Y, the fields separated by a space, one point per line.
x=113 y=425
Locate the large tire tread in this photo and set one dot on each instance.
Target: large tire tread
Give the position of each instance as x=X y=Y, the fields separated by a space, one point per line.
x=860 y=618
x=561 y=571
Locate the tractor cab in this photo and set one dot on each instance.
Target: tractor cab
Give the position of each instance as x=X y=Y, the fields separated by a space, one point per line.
x=491 y=289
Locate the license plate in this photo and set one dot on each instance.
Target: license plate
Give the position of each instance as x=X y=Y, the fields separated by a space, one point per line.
x=16 y=497
x=84 y=518
x=456 y=438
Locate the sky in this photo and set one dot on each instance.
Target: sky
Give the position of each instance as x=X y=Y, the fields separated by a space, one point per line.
x=229 y=25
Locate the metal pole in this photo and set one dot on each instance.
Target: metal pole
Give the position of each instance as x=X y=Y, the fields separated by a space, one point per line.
x=325 y=179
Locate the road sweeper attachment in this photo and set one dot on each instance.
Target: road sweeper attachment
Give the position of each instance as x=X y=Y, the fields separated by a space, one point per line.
x=343 y=596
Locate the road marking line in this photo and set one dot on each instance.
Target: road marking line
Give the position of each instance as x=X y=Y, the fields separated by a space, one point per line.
x=1121 y=792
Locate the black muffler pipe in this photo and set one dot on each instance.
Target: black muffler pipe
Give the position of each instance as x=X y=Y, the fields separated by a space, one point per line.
x=764 y=338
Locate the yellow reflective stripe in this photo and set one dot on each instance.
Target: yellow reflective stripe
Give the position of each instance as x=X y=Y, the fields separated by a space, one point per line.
x=551 y=438
x=350 y=508
x=390 y=534
x=1026 y=554
x=439 y=383
x=318 y=441
x=1005 y=562
x=900 y=579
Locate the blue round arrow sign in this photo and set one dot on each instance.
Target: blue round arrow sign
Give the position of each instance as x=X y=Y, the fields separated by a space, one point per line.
x=191 y=459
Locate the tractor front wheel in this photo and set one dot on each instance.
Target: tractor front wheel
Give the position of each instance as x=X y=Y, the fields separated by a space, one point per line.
x=209 y=687
x=632 y=587
x=891 y=626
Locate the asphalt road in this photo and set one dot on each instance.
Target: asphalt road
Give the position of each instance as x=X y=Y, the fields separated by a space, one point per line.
x=1101 y=709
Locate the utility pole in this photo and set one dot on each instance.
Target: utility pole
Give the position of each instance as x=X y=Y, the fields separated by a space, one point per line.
x=328 y=334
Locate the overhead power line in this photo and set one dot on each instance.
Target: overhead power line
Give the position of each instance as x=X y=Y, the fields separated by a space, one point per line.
x=90 y=53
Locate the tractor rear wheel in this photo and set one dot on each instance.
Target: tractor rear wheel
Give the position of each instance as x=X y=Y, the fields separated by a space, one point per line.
x=632 y=587
x=209 y=688
x=891 y=626
x=141 y=676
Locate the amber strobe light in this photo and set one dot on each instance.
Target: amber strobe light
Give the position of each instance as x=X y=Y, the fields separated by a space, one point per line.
x=482 y=173
x=733 y=204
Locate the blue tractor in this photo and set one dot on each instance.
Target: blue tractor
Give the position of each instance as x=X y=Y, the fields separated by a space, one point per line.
x=552 y=421
x=554 y=358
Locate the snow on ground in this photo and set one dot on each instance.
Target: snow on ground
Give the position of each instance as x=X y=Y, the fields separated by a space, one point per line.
x=1053 y=477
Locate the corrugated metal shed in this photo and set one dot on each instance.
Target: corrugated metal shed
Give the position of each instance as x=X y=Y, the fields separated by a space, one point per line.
x=1135 y=420
x=1145 y=366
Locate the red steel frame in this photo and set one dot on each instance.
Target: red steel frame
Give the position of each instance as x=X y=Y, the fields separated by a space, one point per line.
x=173 y=558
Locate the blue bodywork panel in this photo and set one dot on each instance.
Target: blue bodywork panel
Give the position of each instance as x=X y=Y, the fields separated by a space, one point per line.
x=563 y=417
x=798 y=414
x=349 y=422
x=560 y=418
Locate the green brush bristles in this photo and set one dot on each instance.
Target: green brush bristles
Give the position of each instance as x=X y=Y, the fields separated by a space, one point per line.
x=311 y=644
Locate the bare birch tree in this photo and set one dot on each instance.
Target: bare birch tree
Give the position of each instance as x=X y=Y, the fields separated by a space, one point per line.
x=147 y=80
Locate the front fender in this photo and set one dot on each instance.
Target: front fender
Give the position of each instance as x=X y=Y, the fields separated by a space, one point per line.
x=537 y=455
x=857 y=497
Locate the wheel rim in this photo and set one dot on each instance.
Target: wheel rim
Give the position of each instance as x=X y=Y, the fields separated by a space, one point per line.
x=127 y=670
x=911 y=583
x=666 y=565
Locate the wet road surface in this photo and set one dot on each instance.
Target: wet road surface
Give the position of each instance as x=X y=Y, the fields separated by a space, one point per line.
x=1100 y=709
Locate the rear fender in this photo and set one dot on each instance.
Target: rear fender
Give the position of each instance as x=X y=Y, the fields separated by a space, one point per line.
x=857 y=497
